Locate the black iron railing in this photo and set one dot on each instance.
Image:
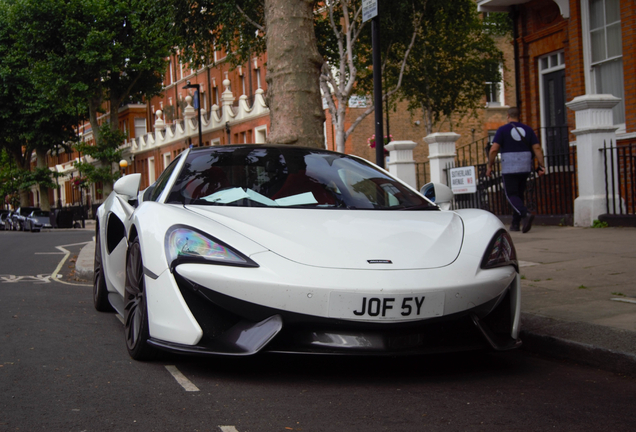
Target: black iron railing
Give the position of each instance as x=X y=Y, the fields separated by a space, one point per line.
x=473 y=153
x=423 y=173
x=620 y=178
x=551 y=194
x=556 y=140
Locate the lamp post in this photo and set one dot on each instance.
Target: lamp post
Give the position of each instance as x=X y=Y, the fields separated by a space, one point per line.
x=123 y=164
x=197 y=88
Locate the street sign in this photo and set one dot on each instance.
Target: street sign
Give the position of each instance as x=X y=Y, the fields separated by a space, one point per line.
x=463 y=180
x=369 y=9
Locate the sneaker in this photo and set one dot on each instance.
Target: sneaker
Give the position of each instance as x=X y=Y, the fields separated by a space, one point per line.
x=528 y=223
x=514 y=228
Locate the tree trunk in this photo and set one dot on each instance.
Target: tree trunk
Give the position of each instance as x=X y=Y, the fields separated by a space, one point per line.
x=44 y=190
x=23 y=162
x=341 y=135
x=293 y=73
x=24 y=198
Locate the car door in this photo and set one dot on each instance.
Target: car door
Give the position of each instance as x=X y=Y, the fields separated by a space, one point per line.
x=118 y=222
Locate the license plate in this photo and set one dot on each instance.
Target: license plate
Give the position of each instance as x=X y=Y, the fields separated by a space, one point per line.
x=387 y=307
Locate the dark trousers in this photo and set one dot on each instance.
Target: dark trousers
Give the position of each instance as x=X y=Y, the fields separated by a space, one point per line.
x=515 y=188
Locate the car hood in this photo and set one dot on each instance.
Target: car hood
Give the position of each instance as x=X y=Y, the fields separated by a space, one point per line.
x=348 y=239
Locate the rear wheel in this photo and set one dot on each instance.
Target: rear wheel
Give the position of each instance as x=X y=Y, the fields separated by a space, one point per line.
x=136 y=311
x=100 y=292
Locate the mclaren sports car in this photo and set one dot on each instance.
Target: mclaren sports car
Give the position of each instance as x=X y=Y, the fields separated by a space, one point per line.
x=242 y=249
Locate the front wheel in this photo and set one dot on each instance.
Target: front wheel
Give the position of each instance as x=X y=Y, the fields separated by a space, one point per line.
x=136 y=311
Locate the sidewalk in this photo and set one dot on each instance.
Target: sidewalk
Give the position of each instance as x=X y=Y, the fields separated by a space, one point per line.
x=578 y=293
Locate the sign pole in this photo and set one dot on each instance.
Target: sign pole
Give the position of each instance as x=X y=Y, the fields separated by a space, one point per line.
x=370 y=12
x=377 y=91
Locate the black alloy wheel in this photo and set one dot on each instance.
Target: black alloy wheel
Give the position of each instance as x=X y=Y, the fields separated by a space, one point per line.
x=100 y=292
x=135 y=311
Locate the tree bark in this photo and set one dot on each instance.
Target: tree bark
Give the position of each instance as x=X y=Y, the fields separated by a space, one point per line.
x=22 y=161
x=41 y=162
x=293 y=73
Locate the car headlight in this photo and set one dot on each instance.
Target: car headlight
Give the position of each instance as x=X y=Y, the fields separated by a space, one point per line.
x=188 y=245
x=500 y=252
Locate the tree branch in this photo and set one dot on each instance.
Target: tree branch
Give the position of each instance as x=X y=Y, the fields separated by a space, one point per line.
x=250 y=20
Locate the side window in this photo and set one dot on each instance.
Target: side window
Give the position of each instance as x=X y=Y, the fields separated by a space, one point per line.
x=160 y=185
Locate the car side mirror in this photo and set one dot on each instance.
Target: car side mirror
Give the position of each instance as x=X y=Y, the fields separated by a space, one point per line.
x=128 y=185
x=439 y=193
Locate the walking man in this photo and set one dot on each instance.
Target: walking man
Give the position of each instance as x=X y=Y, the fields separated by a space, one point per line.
x=517 y=143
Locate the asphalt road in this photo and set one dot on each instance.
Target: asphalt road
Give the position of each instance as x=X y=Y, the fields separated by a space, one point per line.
x=64 y=367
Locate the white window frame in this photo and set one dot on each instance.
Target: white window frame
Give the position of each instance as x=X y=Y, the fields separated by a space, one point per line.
x=137 y=121
x=258 y=77
x=560 y=64
x=260 y=134
x=151 y=170
x=501 y=94
x=590 y=85
x=167 y=158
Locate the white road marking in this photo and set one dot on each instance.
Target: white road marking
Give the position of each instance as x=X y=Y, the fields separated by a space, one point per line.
x=181 y=379
x=49 y=253
x=41 y=278
x=527 y=264
x=67 y=253
x=624 y=300
x=228 y=429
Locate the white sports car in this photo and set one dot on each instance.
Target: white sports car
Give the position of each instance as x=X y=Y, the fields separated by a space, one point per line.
x=240 y=249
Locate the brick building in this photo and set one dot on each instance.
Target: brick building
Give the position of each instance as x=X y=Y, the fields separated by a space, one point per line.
x=570 y=48
x=149 y=150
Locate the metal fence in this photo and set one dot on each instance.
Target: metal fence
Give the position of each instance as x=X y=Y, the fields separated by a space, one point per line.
x=557 y=142
x=620 y=178
x=474 y=153
x=552 y=194
x=423 y=173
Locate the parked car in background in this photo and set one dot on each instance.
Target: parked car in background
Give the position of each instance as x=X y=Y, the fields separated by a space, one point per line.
x=3 y=217
x=19 y=217
x=37 y=220
x=8 y=221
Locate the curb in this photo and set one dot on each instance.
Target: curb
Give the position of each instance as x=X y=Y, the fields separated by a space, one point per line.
x=593 y=345
x=85 y=262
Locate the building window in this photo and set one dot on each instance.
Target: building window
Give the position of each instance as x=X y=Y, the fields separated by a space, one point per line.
x=495 y=91
x=606 y=52
x=260 y=134
x=140 y=127
x=151 y=171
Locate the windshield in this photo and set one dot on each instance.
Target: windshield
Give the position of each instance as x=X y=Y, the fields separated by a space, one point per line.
x=25 y=211
x=283 y=176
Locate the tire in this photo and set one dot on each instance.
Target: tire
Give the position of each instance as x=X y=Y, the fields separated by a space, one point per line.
x=100 y=292
x=136 y=311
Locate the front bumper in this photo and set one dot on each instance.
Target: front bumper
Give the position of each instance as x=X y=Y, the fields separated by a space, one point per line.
x=231 y=326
